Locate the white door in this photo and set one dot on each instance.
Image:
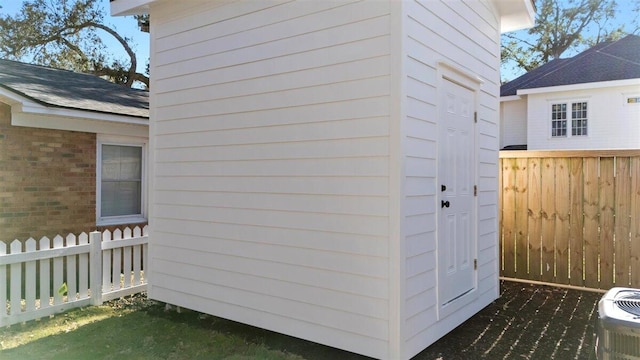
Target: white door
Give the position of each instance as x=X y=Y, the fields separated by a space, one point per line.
x=456 y=174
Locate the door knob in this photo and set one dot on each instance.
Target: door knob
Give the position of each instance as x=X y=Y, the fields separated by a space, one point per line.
x=445 y=204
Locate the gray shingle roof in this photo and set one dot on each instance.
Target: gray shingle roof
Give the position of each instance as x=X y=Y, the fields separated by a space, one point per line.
x=70 y=90
x=615 y=60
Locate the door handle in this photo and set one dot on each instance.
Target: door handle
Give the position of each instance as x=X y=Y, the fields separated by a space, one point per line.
x=444 y=204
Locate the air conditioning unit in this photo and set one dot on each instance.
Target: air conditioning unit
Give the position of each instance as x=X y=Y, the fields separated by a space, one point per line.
x=618 y=327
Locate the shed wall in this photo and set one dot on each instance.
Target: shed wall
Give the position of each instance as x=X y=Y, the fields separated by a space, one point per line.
x=271 y=172
x=465 y=36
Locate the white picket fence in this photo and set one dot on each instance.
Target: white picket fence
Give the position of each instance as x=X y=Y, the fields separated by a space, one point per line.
x=76 y=271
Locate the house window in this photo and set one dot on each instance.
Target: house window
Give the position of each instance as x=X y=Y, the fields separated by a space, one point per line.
x=559 y=120
x=576 y=118
x=579 y=119
x=120 y=183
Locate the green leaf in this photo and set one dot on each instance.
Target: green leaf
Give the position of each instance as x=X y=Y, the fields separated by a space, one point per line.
x=63 y=289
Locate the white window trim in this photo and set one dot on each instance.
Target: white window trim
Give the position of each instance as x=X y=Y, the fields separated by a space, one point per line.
x=121 y=141
x=569 y=118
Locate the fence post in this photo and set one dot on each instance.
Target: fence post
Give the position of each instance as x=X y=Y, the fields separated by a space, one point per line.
x=95 y=268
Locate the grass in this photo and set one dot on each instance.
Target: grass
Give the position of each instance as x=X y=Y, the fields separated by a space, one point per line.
x=137 y=328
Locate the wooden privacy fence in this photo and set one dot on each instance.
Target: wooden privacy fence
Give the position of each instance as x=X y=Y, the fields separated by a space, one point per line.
x=38 y=279
x=571 y=217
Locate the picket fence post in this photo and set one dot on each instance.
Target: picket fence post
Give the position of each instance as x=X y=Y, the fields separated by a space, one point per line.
x=95 y=267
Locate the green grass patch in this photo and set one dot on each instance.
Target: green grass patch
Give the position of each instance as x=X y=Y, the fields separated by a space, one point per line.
x=138 y=328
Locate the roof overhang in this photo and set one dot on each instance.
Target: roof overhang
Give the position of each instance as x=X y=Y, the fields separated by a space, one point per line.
x=510 y=98
x=130 y=7
x=26 y=112
x=584 y=86
x=515 y=14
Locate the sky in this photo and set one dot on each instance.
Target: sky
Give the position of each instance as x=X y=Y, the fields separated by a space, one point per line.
x=125 y=26
x=128 y=26
x=624 y=16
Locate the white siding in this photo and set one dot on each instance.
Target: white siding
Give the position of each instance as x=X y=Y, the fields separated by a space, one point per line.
x=612 y=123
x=464 y=35
x=271 y=170
x=513 y=122
x=294 y=164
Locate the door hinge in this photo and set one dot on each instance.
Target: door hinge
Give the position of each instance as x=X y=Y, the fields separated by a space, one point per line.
x=475 y=116
x=475 y=190
x=475 y=264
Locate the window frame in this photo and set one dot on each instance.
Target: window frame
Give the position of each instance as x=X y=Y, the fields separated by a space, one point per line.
x=121 y=219
x=569 y=130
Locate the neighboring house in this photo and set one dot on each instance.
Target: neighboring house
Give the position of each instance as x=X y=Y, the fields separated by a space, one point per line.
x=327 y=169
x=589 y=101
x=72 y=152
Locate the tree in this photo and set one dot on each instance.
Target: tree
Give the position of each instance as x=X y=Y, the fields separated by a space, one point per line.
x=66 y=34
x=561 y=26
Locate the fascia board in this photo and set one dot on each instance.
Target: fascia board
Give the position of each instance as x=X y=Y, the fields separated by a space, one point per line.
x=82 y=114
x=60 y=122
x=510 y=98
x=585 y=86
x=130 y=7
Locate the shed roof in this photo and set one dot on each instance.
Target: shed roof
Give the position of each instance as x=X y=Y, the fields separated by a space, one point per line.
x=71 y=90
x=608 y=61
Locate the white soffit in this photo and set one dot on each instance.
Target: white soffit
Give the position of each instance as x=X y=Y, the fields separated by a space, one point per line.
x=515 y=14
x=130 y=7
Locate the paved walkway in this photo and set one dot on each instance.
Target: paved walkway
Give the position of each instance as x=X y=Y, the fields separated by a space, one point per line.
x=526 y=322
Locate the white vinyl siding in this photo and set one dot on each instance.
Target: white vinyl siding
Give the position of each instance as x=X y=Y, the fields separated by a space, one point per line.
x=295 y=168
x=272 y=166
x=513 y=122
x=611 y=123
x=464 y=35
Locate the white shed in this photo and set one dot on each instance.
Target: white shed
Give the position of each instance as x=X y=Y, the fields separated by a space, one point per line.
x=327 y=169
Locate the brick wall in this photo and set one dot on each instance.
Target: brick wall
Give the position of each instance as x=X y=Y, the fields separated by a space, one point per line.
x=47 y=181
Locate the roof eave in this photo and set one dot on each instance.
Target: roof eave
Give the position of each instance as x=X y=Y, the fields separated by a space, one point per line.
x=515 y=14
x=130 y=7
x=510 y=98
x=26 y=112
x=583 y=86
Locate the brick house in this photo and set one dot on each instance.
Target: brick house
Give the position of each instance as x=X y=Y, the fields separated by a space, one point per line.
x=72 y=152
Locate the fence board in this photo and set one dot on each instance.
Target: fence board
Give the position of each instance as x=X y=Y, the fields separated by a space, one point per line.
x=634 y=256
x=583 y=223
x=622 y=222
x=106 y=263
x=45 y=272
x=591 y=223
x=30 y=275
x=521 y=217
x=576 y=238
x=508 y=198
x=535 y=223
x=3 y=283
x=562 y=206
x=58 y=277
x=547 y=190
x=72 y=288
x=606 y=205
x=83 y=268
x=16 y=284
